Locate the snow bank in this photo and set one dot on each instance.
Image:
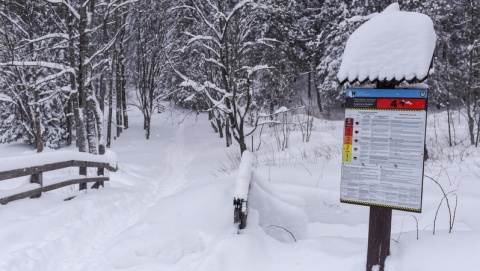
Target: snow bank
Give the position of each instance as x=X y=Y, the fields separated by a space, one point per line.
x=392 y=45
x=281 y=216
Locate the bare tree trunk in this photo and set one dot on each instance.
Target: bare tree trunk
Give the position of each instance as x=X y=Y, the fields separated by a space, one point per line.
x=69 y=121
x=124 y=96
x=317 y=90
x=118 y=84
x=211 y=118
x=91 y=125
x=478 y=130
x=118 y=92
x=471 y=121
x=123 y=80
x=449 y=120
x=76 y=92
x=147 y=127
x=38 y=122
x=110 y=105
x=310 y=85
x=220 y=127
x=228 y=135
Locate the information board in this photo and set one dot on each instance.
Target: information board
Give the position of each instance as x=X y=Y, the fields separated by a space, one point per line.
x=383 y=148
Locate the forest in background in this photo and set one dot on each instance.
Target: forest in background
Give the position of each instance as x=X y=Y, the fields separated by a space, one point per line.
x=71 y=69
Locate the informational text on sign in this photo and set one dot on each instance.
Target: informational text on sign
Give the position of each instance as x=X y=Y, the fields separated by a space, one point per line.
x=383 y=148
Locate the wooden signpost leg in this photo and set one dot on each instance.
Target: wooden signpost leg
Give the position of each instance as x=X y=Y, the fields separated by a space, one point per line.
x=379 y=230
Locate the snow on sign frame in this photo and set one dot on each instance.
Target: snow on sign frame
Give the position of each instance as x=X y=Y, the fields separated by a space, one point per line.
x=383 y=148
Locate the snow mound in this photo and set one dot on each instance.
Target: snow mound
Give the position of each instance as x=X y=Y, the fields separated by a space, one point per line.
x=394 y=45
x=281 y=216
x=244 y=176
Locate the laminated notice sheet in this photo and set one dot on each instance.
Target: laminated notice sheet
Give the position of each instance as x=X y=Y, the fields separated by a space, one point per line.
x=383 y=148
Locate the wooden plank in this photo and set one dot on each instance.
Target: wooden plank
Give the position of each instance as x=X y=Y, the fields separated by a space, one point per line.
x=54 y=186
x=10 y=174
x=74 y=181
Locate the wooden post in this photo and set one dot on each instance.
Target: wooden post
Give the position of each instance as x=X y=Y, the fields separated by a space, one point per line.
x=380 y=223
x=379 y=230
x=240 y=213
x=37 y=178
x=82 y=171
x=100 y=170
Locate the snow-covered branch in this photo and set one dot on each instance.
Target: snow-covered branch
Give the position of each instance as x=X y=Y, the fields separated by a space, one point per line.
x=72 y=9
x=216 y=62
x=50 y=77
x=42 y=64
x=5 y=98
x=200 y=38
x=207 y=22
x=50 y=36
x=238 y=7
x=253 y=69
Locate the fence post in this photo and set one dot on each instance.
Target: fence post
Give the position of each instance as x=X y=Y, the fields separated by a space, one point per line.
x=100 y=170
x=37 y=178
x=240 y=213
x=242 y=186
x=82 y=171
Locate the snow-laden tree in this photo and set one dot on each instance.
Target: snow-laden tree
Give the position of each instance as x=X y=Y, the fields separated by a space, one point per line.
x=33 y=109
x=225 y=40
x=152 y=34
x=51 y=54
x=456 y=59
x=466 y=58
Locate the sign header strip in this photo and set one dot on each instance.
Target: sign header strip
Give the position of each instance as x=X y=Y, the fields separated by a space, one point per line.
x=386 y=93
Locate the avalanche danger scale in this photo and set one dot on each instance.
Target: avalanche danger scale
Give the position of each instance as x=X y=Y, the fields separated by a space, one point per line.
x=383 y=148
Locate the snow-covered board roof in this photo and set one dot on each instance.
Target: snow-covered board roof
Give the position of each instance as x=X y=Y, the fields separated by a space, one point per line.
x=392 y=46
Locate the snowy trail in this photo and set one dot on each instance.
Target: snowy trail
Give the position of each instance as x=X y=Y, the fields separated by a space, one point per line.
x=95 y=219
x=167 y=178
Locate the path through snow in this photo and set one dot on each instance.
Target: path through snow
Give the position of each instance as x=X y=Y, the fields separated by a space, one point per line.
x=57 y=235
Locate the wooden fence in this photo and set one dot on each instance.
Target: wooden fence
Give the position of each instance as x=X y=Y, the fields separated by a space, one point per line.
x=36 y=165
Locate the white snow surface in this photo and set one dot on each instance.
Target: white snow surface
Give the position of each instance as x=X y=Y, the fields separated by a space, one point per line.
x=392 y=45
x=169 y=207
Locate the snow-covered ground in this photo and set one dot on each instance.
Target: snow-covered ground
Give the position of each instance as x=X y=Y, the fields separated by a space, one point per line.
x=169 y=207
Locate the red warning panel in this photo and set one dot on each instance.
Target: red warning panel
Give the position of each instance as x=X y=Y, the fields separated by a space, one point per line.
x=401 y=103
x=349 y=122
x=348 y=131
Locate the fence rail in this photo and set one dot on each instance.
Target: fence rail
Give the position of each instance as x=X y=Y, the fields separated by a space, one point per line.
x=36 y=165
